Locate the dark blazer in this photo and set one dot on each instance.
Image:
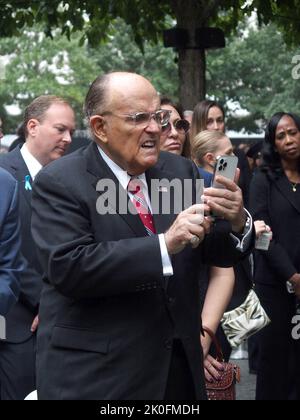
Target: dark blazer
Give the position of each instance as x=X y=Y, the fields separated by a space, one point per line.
x=20 y=318
x=273 y=200
x=245 y=177
x=11 y=263
x=107 y=314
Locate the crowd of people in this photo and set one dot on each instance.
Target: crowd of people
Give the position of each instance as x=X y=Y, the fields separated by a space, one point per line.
x=112 y=306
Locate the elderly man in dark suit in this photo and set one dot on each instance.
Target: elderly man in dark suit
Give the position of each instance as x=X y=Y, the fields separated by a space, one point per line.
x=120 y=312
x=11 y=263
x=48 y=125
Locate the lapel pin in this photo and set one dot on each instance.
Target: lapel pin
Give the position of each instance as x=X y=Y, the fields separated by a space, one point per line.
x=28 y=186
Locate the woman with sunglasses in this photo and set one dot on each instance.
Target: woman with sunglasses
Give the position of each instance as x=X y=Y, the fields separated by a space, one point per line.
x=174 y=137
x=216 y=291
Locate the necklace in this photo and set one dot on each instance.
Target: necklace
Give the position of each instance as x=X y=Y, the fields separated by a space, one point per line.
x=294 y=186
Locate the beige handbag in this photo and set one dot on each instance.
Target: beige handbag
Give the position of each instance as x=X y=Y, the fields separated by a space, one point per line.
x=244 y=321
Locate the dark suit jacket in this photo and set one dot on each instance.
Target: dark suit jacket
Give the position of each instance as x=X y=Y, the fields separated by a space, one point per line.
x=273 y=200
x=11 y=263
x=20 y=318
x=107 y=315
x=245 y=177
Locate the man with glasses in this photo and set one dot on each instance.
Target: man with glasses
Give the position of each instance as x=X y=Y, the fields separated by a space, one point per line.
x=119 y=314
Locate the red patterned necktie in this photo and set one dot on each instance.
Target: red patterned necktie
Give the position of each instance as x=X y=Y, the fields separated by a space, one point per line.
x=135 y=187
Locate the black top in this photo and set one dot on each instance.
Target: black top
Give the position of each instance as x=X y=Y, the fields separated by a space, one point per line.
x=273 y=200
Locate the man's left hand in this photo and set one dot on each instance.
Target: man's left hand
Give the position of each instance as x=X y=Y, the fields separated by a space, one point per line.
x=227 y=203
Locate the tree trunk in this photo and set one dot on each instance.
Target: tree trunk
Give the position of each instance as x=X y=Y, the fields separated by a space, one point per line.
x=192 y=68
x=190 y=15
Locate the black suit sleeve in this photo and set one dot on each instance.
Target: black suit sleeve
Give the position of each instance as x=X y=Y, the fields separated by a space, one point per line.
x=31 y=286
x=11 y=262
x=73 y=261
x=220 y=249
x=30 y=278
x=277 y=258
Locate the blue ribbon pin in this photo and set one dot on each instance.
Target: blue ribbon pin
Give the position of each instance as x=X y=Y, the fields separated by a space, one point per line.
x=28 y=186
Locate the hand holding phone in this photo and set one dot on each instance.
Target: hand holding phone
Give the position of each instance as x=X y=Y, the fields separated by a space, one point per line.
x=226 y=166
x=225 y=198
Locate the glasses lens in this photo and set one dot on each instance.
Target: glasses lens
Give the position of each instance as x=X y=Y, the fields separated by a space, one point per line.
x=163 y=117
x=142 y=118
x=165 y=128
x=182 y=125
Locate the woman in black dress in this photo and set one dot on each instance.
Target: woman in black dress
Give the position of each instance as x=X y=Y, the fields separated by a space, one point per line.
x=275 y=198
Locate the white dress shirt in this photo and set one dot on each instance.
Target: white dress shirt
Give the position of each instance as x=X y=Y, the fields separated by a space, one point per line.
x=32 y=163
x=124 y=178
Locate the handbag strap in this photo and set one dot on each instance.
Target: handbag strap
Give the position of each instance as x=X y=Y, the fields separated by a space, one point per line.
x=220 y=356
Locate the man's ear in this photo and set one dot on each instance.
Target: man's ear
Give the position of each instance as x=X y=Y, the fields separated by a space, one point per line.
x=32 y=126
x=98 y=126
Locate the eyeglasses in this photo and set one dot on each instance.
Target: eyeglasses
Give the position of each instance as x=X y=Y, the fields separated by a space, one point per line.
x=182 y=126
x=142 y=119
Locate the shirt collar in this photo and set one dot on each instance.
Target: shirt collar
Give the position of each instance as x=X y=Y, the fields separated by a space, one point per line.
x=122 y=176
x=32 y=163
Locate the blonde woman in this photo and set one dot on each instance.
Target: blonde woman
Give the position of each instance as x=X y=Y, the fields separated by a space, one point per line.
x=206 y=147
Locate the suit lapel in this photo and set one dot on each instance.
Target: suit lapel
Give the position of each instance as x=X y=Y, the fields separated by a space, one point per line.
x=99 y=170
x=21 y=171
x=284 y=185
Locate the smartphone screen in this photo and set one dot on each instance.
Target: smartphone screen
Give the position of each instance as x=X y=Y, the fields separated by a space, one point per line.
x=226 y=166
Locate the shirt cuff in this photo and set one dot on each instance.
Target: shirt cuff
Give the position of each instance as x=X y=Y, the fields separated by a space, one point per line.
x=165 y=257
x=243 y=243
x=2 y=328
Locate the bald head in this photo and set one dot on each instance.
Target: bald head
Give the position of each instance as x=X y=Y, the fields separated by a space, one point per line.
x=113 y=90
x=112 y=105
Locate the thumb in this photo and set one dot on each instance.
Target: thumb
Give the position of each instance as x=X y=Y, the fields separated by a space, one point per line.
x=195 y=209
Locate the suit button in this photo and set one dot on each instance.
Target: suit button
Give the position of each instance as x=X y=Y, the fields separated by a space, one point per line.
x=168 y=344
x=171 y=301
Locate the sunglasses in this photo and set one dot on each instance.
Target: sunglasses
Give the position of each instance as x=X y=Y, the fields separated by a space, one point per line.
x=182 y=126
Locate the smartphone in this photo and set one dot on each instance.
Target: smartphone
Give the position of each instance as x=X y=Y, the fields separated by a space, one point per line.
x=226 y=166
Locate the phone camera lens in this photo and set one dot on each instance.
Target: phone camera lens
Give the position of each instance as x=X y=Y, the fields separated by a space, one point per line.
x=221 y=161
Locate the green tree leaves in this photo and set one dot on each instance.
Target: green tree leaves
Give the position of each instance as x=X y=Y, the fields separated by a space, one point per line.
x=40 y=65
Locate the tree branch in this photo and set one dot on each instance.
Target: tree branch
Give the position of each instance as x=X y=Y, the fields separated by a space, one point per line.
x=208 y=9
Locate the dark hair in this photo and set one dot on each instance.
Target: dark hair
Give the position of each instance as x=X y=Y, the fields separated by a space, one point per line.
x=179 y=108
x=167 y=101
x=37 y=110
x=271 y=159
x=200 y=116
